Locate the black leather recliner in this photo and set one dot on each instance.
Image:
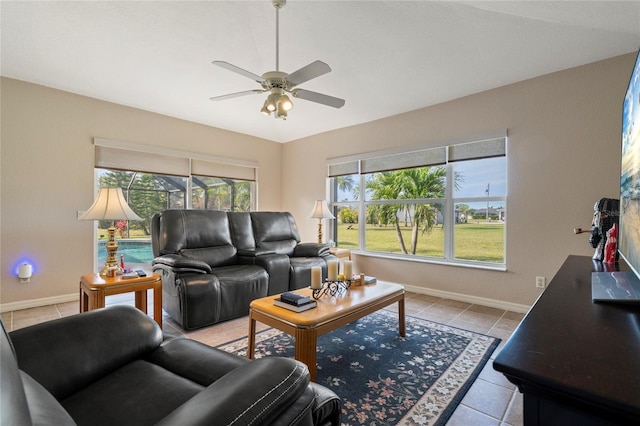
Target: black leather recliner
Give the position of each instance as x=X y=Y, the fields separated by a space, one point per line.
x=214 y=263
x=278 y=232
x=203 y=279
x=113 y=366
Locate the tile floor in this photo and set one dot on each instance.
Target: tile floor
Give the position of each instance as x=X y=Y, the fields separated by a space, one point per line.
x=491 y=401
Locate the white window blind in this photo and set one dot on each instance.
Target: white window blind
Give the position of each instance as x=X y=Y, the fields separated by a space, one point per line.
x=405 y=160
x=220 y=170
x=343 y=169
x=381 y=161
x=476 y=150
x=121 y=159
x=110 y=154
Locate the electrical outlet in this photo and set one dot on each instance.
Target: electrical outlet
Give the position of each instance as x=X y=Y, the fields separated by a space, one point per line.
x=540 y=282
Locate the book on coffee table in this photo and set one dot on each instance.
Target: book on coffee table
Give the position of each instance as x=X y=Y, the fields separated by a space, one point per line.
x=295 y=308
x=369 y=280
x=294 y=298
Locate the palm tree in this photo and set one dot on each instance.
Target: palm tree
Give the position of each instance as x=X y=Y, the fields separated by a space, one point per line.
x=383 y=186
x=346 y=183
x=409 y=184
x=422 y=183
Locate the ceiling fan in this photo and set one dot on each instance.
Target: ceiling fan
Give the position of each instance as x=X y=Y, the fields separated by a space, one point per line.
x=279 y=83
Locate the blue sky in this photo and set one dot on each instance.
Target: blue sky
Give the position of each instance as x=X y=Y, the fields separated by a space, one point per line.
x=480 y=173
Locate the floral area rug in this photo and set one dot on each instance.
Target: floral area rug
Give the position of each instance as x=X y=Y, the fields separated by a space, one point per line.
x=383 y=378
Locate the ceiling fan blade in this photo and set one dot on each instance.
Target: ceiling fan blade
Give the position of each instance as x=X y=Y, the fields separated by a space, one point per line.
x=236 y=94
x=238 y=70
x=313 y=70
x=318 y=97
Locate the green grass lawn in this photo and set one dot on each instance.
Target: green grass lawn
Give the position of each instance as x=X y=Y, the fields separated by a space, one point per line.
x=472 y=241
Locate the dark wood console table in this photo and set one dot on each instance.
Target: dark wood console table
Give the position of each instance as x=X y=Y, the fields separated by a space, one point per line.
x=576 y=362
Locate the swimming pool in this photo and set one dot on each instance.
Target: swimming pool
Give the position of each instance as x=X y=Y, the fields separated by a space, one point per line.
x=134 y=251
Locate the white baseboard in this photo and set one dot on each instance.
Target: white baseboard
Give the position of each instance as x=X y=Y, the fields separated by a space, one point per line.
x=492 y=303
x=35 y=303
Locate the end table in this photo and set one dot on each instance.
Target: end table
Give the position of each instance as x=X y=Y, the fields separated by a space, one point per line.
x=94 y=289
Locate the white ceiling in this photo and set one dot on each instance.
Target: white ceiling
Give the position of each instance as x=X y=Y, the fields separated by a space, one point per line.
x=387 y=57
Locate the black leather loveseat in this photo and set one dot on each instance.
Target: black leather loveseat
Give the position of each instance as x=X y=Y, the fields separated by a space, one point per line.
x=113 y=366
x=214 y=263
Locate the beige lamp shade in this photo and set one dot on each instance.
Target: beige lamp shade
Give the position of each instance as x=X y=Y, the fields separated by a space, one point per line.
x=110 y=205
x=321 y=211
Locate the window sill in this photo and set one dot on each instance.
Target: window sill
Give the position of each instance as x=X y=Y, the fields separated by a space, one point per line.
x=407 y=258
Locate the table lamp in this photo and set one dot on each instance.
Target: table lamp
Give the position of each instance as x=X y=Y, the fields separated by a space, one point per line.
x=110 y=205
x=321 y=211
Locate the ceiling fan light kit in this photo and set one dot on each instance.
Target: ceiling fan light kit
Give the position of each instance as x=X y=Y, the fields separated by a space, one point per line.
x=279 y=83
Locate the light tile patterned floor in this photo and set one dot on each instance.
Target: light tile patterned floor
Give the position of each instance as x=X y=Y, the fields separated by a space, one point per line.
x=491 y=401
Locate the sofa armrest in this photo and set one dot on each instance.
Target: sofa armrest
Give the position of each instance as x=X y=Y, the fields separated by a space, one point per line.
x=311 y=250
x=327 y=406
x=277 y=266
x=253 y=394
x=181 y=264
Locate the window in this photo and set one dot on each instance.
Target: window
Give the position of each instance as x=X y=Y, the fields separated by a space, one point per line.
x=156 y=181
x=209 y=193
x=446 y=204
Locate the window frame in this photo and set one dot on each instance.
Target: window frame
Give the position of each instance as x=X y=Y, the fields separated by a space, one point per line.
x=129 y=157
x=462 y=151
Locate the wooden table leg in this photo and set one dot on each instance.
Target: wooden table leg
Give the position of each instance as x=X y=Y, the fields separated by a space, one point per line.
x=401 y=318
x=306 y=349
x=84 y=300
x=141 y=300
x=157 y=303
x=95 y=299
x=251 y=337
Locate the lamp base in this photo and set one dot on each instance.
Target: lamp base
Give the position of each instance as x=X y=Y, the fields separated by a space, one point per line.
x=112 y=259
x=320 y=231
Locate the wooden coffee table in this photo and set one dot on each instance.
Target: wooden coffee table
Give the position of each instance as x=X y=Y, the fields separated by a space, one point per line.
x=331 y=313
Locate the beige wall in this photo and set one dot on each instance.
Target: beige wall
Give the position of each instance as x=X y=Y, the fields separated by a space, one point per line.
x=563 y=155
x=564 y=152
x=47 y=176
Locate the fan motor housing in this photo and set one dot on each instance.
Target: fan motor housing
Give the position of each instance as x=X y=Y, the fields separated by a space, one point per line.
x=275 y=79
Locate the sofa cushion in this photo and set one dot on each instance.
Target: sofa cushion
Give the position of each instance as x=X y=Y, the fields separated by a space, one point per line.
x=239 y=285
x=241 y=230
x=140 y=393
x=198 y=234
x=276 y=231
x=205 y=366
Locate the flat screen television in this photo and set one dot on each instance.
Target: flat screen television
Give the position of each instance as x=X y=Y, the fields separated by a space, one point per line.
x=629 y=232
x=625 y=286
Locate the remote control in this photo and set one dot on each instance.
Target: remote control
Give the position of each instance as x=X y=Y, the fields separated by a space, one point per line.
x=140 y=273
